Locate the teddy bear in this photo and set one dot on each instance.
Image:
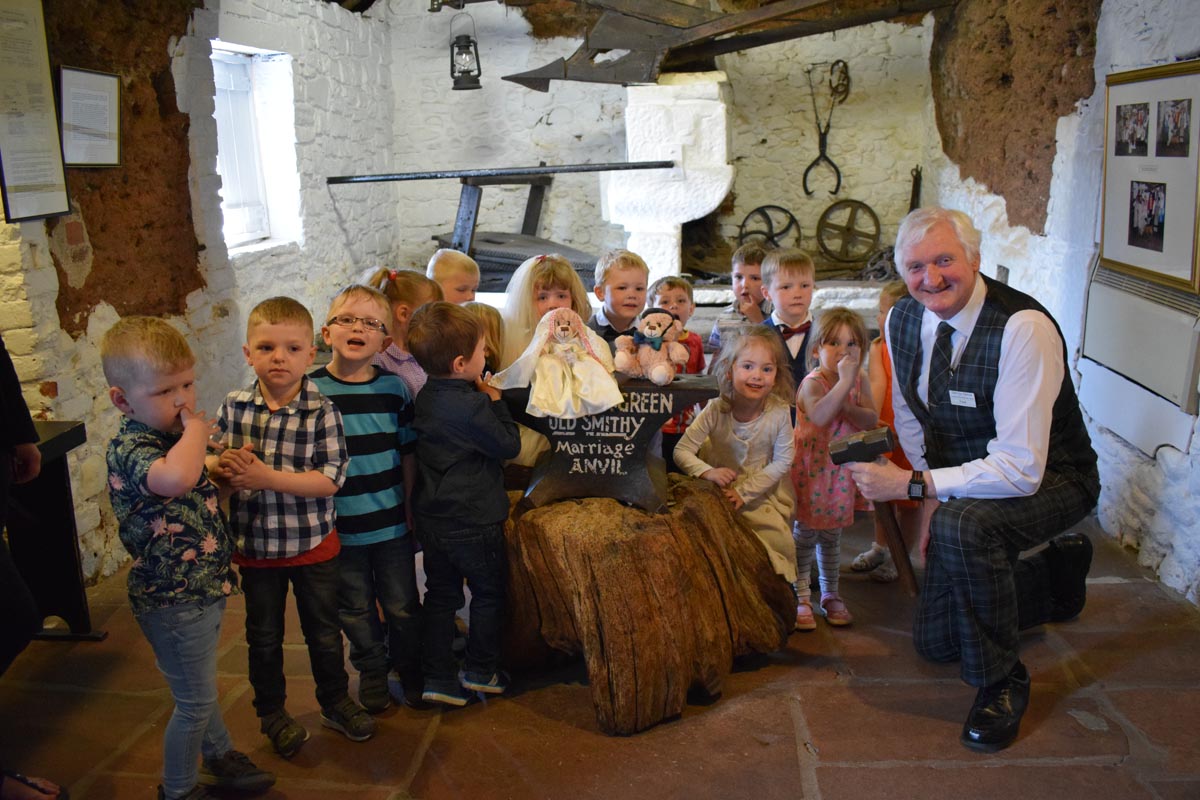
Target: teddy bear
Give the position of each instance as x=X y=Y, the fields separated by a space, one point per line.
x=653 y=351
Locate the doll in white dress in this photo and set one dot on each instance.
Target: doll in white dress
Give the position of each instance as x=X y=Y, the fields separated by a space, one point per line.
x=567 y=367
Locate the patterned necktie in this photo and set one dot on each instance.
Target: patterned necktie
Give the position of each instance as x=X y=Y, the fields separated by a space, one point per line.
x=799 y=330
x=939 y=365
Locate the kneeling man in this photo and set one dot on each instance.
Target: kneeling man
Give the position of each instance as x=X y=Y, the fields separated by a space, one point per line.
x=987 y=414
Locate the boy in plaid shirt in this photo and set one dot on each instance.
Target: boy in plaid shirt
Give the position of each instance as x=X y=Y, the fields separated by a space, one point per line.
x=285 y=457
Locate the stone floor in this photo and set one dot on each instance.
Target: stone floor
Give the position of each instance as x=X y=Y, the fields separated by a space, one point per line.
x=849 y=714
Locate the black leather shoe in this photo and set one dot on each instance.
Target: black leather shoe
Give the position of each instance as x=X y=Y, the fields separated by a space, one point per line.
x=1069 y=557
x=996 y=716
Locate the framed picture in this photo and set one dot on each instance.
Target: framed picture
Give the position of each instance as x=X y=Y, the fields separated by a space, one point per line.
x=1151 y=175
x=32 y=181
x=91 y=118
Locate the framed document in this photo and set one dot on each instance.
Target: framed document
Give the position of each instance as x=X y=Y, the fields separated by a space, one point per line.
x=91 y=118
x=1151 y=175
x=32 y=182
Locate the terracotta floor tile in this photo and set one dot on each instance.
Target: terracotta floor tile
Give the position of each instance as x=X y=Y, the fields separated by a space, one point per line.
x=846 y=713
x=1061 y=782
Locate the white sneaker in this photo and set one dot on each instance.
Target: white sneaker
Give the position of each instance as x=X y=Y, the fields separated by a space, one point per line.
x=870 y=559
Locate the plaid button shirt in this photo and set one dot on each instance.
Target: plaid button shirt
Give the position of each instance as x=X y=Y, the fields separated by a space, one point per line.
x=303 y=436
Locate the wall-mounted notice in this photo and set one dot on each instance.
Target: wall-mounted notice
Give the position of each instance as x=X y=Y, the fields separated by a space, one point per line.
x=31 y=168
x=91 y=118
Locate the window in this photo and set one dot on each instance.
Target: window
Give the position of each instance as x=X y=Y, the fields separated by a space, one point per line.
x=256 y=152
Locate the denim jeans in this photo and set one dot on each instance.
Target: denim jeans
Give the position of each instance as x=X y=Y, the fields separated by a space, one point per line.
x=478 y=555
x=315 y=587
x=383 y=572
x=184 y=638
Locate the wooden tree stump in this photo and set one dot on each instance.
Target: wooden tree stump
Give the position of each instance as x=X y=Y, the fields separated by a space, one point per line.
x=656 y=603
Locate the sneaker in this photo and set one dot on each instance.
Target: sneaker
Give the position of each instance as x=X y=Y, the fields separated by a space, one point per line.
x=408 y=690
x=448 y=693
x=285 y=733
x=235 y=770
x=349 y=719
x=373 y=691
x=495 y=683
x=197 y=793
x=869 y=559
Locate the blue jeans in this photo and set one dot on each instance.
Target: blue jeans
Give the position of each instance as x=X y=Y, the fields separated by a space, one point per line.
x=478 y=555
x=383 y=572
x=184 y=639
x=315 y=587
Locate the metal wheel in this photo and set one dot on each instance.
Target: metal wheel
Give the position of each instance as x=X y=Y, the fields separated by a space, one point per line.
x=770 y=224
x=848 y=231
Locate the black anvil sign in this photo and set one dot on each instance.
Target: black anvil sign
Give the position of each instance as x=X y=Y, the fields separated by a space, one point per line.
x=609 y=454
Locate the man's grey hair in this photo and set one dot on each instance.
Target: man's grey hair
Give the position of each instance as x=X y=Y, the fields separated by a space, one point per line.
x=918 y=222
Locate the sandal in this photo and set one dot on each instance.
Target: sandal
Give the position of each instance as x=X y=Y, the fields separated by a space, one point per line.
x=885 y=572
x=869 y=559
x=805 y=621
x=835 y=610
x=40 y=787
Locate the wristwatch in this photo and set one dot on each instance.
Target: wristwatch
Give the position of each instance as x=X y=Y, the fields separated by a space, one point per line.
x=916 y=485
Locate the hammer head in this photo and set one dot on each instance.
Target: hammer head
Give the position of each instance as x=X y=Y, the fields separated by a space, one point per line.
x=861 y=446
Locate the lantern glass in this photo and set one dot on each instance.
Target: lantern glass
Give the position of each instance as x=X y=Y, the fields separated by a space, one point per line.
x=464 y=62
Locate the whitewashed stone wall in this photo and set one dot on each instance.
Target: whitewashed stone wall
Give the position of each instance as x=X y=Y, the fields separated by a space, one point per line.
x=877 y=135
x=502 y=124
x=343 y=99
x=1152 y=504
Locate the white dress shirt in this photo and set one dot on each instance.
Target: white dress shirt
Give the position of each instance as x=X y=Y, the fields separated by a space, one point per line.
x=1030 y=376
x=796 y=342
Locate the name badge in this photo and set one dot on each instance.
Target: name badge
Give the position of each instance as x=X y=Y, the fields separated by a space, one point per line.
x=964 y=399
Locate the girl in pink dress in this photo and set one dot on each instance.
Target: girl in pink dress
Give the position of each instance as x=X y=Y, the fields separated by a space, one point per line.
x=832 y=400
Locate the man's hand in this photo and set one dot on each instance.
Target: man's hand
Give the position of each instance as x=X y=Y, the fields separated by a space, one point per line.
x=880 y=479
x=750 y=309
x=721 y=476
x=26 y=462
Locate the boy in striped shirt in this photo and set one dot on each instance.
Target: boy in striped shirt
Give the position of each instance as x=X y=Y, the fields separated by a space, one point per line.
x=373 y=512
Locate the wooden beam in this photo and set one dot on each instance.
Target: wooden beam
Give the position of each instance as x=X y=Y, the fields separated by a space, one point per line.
x=686 y=54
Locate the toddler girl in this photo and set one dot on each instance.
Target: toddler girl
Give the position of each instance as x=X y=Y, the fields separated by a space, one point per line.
x=540 y=284
x=742 y=440
x=493 y=334
x=406 y=290
x=833 y=400
x=878 y=560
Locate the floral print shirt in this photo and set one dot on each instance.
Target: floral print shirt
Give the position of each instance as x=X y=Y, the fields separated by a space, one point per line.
x=181 y=546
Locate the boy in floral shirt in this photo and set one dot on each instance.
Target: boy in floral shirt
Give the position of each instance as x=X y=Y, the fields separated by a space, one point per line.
x=172 y=525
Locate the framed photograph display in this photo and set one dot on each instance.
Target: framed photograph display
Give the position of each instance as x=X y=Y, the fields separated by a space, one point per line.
x=32 y=181
x=91 y=118
x=1151 y=175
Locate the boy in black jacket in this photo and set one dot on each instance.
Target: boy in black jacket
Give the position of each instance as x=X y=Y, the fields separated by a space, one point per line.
x=464 y=435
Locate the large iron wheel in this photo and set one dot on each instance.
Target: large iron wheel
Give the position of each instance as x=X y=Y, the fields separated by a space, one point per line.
x=769 y=224
x=848 y=231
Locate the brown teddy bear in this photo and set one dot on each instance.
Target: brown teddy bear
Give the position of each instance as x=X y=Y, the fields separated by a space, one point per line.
x=653 y=351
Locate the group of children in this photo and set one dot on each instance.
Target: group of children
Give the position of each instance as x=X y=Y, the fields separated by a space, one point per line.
x=330 y=473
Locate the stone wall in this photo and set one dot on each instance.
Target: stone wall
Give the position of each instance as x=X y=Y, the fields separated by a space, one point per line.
x=1147 y=503
x=343 y=100
x=500 y=125
x=876 y=136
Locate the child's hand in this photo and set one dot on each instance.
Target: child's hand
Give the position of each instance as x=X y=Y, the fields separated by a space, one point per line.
x=750 y=309
x=848 y=366
x=734 y=498
x=191 y=418
x=721 y=476
x=251 y=473
x=481 y=383
x=234 y=460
